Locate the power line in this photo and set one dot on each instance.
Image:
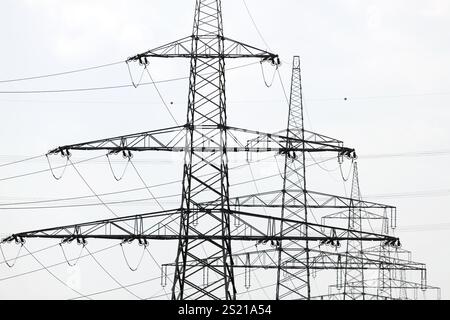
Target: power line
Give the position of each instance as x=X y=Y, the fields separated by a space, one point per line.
x=255 y=25
x=147 y=187
x=80 y=89
x=118 y=288
x=425 y=227
x=392 y=96
x=37 y=251
x=108 y=87
x=91 y=196
x=62 y=73
x=45 y=170
x=112 y=277
x=417 y=194
x=161 y=97
x=53 y=265
x=2 y=207
x=92 y=190
x=407 y=154
x=53 y=275
x=20 y=161
x=141 y=282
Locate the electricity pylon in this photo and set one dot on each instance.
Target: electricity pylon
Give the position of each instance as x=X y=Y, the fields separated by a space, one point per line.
x=394 y=264
x=296 y=261
x=294 y=178
x=356 y=247
x=203 y=218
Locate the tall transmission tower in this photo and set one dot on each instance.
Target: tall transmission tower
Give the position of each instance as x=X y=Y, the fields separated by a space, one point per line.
x=390 y=282
x=356 y=247
x=294 y=180
x=296 y=260
x=204 y=261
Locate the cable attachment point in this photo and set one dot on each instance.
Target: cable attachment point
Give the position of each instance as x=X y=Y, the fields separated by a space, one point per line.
x=275 y=61
x=65 y=153
x=126 y=154
x=80 y=241
x=332 y=241
x=143 y=61
x=19 y=241
x=347 y=153
x=394 y=243
x=142 y=242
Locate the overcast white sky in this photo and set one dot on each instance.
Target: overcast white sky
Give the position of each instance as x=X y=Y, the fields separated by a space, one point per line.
x=390 y=59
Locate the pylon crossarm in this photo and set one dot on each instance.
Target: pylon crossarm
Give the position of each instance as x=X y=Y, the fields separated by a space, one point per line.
x=161 y=139
x=384 y=251
x=318 y=260
x=124 y=228
x=395 y=284
x=344 y=215
x=155 y=226
x=309 y=136
x=294 y=199
x=341 y=295
x=289 y=143
x=269 y=227
x=205 y=50
x=173 y=140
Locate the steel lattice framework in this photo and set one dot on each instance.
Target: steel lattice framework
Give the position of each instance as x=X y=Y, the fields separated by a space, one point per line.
x=201 y=224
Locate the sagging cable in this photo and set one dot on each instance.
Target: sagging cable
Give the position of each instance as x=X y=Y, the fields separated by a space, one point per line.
x=143 y=243
x=135 y=85
x=127 y=156
x=341 y=161
x=11 y=265
x=67 y=155
x=79 y=256
x=268 y=85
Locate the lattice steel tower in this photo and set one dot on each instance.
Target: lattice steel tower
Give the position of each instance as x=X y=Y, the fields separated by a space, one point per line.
x=205 y=235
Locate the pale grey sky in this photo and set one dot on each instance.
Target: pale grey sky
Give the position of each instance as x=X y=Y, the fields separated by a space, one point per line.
x=389 y=58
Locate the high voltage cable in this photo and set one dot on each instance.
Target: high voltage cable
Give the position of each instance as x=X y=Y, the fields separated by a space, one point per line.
x=46 y=170
x=83 y=89
x=81 y=257
x=112 y=277
x=410 y=154
x=406 y=154
x=393 y=96
x=255 y=25
x=27 y=254
x=3 y=205
x=90 y=204
x=62 y=73
x=147 y=187
x=55 y=264
x=117 y=288
x=109 y=87
x=142 y=282
x=97 y=157
x=254 y=101
x=20 y=161
x=161 y=97
x=53 y=275
x=85 y=197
